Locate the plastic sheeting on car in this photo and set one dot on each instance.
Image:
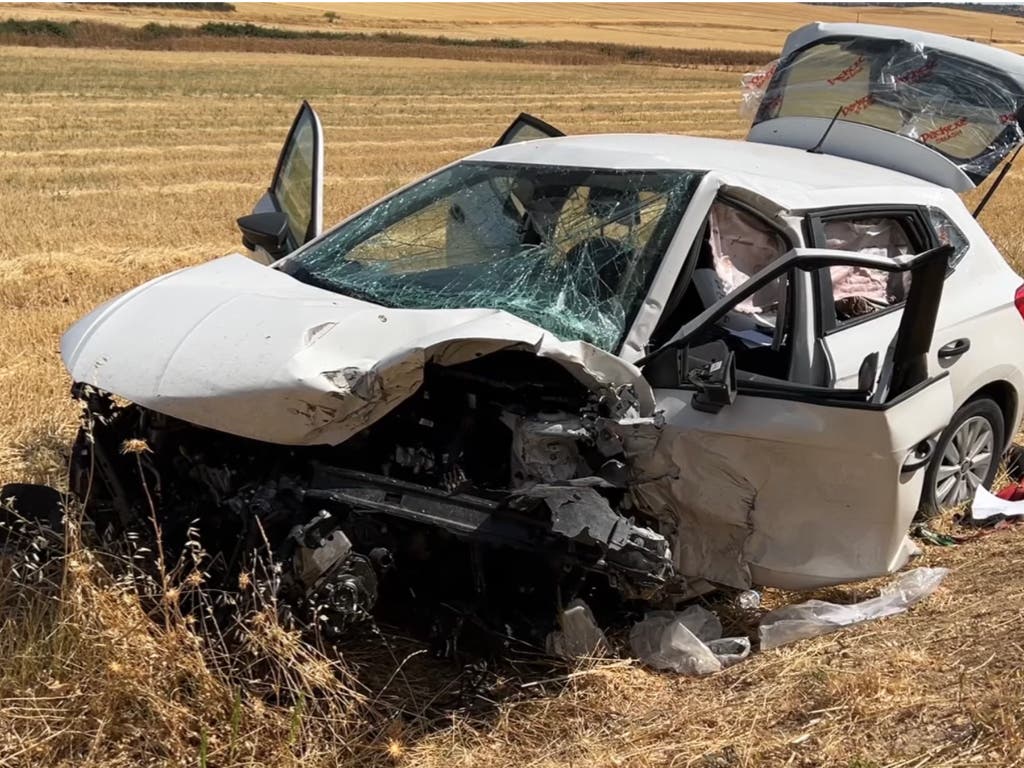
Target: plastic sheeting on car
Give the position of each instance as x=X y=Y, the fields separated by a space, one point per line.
x=816 y=617
x=965 y=109
x=572 y=250
x=689 y=642
x=752 y=88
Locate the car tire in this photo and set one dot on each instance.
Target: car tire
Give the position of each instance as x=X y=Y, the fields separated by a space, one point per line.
x=967 y=454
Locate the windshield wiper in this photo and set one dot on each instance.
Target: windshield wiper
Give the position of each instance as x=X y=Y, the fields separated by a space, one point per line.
x=304 y=275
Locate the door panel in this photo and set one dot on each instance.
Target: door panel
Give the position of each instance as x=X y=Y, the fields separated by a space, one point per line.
x=797 y=486
x=794 y=494
x=847 y=346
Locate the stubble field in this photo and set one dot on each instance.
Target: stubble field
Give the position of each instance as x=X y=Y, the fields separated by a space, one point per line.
x=117 y=166
x=691 y=25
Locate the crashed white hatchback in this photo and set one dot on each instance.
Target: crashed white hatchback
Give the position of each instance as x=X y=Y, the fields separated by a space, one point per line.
x=612 y=364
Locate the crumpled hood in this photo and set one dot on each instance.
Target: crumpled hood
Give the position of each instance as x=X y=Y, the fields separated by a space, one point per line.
x=239 y=347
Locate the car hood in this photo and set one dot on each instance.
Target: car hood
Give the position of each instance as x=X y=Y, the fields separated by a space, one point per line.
x=246 y=349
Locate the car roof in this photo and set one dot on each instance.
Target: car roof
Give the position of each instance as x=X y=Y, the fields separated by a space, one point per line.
x=794 y=178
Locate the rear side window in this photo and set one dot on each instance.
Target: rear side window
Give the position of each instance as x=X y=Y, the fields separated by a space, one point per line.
x=852 y=292
x=948 y=233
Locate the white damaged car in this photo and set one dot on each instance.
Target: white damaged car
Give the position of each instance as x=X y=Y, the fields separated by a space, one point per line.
x=624 y=367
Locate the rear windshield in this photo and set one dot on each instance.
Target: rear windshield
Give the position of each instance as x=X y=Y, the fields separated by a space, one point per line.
x=572 y=250
x=968 y=111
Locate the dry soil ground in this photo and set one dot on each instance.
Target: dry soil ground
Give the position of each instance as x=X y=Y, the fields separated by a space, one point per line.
x=117 y=166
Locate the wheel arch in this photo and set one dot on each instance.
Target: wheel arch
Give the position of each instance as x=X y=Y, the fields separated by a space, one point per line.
x=1004 y=394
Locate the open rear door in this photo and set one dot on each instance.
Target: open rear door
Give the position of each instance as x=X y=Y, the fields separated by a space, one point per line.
x=787 y=484
x=290 y=213
x=940 y=108
x=527 y=128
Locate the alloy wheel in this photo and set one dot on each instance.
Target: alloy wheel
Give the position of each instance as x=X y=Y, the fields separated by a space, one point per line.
x=965 y=462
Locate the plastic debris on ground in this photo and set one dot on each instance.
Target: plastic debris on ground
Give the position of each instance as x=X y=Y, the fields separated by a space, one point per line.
x=938 y=539
x=689 y=642
x=989 y=508
x=816 y=617
x=579 y=635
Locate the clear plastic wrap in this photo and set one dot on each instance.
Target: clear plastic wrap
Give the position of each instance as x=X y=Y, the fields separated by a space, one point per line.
x=752 y=88
x=965 y=109
x=689 y=642
x=816 y=617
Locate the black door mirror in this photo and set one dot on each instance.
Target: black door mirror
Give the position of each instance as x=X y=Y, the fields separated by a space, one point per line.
x=709 y=368
x=715 y=382
x=269 y=231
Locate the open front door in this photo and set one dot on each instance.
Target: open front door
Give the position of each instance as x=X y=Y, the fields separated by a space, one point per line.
x=527 y=128
x=290 y=213
x=791 y=484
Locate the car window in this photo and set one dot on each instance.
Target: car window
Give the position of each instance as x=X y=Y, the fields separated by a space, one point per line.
x=732 y=245
x=572 y=250
x=948 y=233
x=760 y=334
x=853 y=291
x=964 y=109
x=294 y=184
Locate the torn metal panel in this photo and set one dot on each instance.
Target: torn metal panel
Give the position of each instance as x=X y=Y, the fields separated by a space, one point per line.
x=707 y=501
x=238 y=347
x=791 y=494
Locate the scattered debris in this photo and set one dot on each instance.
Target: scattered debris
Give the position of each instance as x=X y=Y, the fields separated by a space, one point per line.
x=926 y=534
x=817 y=617
x=579 y=635
x=748 y=600
x=989 y=508
x=689 y=642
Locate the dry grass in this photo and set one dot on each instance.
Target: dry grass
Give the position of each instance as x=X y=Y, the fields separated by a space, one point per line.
x=690 y=25
x=245 y=37
x=118 y=166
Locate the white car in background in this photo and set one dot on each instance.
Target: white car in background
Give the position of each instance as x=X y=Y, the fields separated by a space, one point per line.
x=655 y=361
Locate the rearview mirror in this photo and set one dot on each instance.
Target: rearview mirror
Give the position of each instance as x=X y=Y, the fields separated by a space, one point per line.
x=268 y=230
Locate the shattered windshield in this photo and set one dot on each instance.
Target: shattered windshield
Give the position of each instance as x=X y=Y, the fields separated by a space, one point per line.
x=572 y=250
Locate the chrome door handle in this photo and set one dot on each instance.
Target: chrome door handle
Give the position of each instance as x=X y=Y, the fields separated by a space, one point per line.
x=954 y=349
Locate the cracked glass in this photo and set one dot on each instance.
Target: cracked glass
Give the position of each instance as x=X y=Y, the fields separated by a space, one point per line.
x=967 y=110
x=572 y=250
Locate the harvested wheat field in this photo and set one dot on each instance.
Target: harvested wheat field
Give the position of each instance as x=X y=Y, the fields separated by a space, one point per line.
x=121 y=165
x=693 y=25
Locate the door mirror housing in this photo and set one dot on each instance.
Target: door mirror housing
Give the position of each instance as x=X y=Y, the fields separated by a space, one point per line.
x=715 y=381
x=268 y=231
x=709 y=368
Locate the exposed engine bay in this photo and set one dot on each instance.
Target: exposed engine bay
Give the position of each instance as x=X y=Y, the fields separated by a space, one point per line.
x=474 y=511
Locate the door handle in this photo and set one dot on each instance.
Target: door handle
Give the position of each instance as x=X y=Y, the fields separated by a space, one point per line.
x=954 y=349
x=920 y=455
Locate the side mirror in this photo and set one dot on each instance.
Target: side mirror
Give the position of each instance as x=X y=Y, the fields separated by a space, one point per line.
x=715 y=383
x=268 y=231
x=709 y=368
